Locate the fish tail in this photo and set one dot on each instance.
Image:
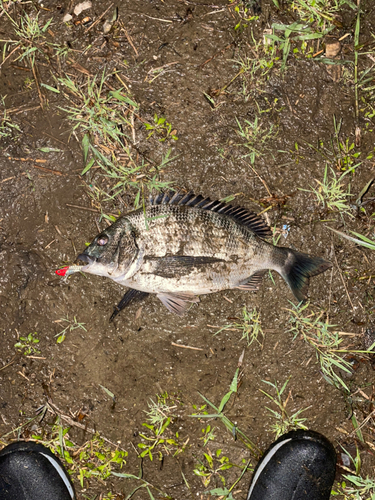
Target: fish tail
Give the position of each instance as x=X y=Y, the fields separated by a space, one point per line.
x=298 y=268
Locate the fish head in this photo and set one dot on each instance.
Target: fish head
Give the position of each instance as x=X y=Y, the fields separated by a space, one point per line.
x=112 y=252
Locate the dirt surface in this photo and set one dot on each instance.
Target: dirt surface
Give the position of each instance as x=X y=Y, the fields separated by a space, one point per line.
x=169 y=55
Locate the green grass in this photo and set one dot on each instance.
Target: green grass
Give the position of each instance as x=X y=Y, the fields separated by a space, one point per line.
x=95 y=459
x=331 y=192
x=254 y=136
x=327 y=343
x=8 y=129
x=283 y=421
x=29 y=34
x=105 y=120
x=360 y=239
x=219 y=414
x=158 y=439
x=71 y=325
x=340 y=151
x=249 y=325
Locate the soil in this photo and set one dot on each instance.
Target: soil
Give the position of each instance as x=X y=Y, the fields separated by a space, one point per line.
x=47 y=217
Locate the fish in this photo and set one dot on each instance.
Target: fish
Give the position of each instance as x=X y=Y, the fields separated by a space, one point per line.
x=181 y=246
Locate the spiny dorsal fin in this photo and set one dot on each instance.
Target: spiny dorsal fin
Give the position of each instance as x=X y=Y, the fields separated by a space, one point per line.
x=239 y=214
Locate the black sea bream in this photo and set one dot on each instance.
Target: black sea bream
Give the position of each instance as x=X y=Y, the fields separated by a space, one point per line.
x=182 y=246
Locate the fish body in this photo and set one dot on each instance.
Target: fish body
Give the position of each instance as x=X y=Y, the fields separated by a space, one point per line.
x=183 y=246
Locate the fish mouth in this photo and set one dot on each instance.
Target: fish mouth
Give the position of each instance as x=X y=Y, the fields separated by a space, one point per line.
x=83 y=257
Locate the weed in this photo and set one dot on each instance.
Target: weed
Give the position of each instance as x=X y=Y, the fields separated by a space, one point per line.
x=245 y=13
x=26 y=344
x=361 y=240
x=161 y=409
x=319 y=12
x=30 y=36
x=208 y=434
x=162 y=128
x=255 y=137
x=295 y=32
x=249 y=325
x=7 y=127
x=326 y=342
x=341 y=154
x=70 y=327
x=233 y=429
x=357 y=489
x=213 y=465
x=94 y=458
x=160 y=438
x=284 y=421
x=331 y=193
x=101 y=114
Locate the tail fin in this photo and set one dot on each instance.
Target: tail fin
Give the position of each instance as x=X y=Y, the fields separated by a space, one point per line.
x=298 y=268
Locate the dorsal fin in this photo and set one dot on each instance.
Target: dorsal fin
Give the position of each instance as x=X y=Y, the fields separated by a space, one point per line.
x=239 y=214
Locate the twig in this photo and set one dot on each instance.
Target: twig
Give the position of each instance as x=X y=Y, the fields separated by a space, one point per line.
x=70 y=421
x=264 y=182
x=8 y=56
x=187 y=347
x=130 y=41
x=10 y=363
x=37 y=84
x=27 y=159
x=49 y=170
x=96 y=22
x=215 y=55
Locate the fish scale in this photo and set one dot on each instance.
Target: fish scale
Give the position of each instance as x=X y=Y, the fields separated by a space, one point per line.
x=182 y=246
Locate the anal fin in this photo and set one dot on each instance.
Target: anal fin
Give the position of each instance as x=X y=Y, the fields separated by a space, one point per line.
x=177 y=303
x=253 y=282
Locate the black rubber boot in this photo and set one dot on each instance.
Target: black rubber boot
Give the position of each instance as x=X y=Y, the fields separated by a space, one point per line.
x=30 y=471
x=300 y=465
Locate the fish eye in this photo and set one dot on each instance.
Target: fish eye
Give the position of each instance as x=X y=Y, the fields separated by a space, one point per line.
x=103 y=240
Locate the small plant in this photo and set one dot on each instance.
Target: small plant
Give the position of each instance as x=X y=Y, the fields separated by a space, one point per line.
x=160 y=438
x=255 y=137
x=31 y=36
x=211 y=466
x=319 y=12
x=162 y=128
x=284 y=421
x=94 y=459
x=208 y=434
x=7 y=127
x=99 y=113
x=326 y=342
x=26 y=345
x=292 y=33
x=70 y=327
x=232 y=428
x=249 y=325
x=331 y=193
x=341 y=153
x=358 y=488
x=161 y=409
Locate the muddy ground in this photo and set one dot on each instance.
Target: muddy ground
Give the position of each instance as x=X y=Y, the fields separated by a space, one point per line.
x=47 y=216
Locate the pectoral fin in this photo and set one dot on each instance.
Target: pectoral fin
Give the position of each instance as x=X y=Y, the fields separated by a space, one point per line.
x=130 y=296
x=177 y=303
